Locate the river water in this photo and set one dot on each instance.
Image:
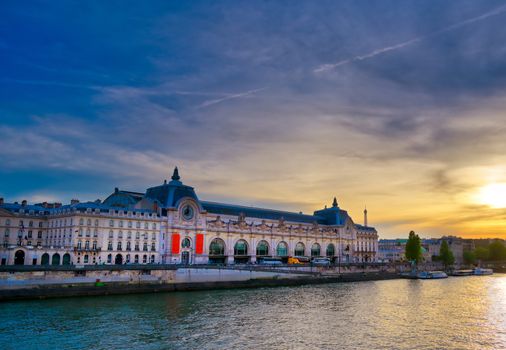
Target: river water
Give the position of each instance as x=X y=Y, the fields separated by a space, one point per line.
x=455 y=313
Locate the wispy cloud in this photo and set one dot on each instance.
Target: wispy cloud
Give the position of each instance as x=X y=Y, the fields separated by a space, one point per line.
x=229 y=97
x=330 y=66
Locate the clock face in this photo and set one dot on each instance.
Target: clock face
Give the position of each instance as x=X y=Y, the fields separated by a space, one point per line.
x=187 y=212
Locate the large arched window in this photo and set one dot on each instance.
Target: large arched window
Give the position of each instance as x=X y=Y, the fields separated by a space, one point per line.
x=282 y=249
x=331 y=250
x=315 y=249
x=217 y=247
x=262 y=248
x=241 y=247
x=66 y=259
x=45 y=259
x=19 y=258
x=56 y=259
x=300 y=249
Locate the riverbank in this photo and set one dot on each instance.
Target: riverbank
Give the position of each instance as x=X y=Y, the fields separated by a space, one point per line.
x=71 y=282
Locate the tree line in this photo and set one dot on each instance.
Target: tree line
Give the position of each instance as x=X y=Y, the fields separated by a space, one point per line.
x=495 y=251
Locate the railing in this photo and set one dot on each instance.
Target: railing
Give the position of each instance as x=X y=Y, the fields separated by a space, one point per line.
x=77 y=249
x=155 y=266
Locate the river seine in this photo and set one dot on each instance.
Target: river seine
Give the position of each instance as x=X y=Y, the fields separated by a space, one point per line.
x=456 y=313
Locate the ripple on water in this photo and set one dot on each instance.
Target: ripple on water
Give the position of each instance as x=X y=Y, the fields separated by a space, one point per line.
x=456 y=313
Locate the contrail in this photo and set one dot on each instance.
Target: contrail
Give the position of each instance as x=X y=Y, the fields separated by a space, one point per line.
x=229 y=97
x=329 y=66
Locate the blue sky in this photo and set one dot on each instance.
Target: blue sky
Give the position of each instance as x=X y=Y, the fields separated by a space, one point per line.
x=395 y=104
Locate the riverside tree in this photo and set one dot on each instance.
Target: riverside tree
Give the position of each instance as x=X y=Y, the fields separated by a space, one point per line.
x=414 y=248
x=446 y=255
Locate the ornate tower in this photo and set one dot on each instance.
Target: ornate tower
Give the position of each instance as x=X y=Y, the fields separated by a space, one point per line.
x=365 y=217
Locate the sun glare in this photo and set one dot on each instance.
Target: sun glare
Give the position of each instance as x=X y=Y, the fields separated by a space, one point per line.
x=493 y=195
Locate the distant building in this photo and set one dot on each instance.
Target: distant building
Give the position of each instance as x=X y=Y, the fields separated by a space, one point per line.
x=456 y=245
x=392 y=250
x=168 y=223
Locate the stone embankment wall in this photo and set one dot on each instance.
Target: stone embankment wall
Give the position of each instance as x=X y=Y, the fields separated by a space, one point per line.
x=38 y=283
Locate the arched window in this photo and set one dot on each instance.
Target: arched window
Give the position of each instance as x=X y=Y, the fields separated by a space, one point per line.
x=217 y=247
x=262 y=248
x=86 y=258
x=315 y=249
x=56 y=259
x=300 y=249
x=152 y=261
x=45 y=259
x=331 y=250
x=241 y=247
x=19 y=258
x=144 y=259
x=109 y=258
x=66 y=259
x=282 y=249
x=186 y=243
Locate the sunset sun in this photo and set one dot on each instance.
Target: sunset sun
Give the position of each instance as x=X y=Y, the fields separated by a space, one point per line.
x=493 y=195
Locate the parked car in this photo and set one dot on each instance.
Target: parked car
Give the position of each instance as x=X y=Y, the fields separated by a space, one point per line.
x=292 y=260
x=321 y=261
x=270 y=261
x=303 y=259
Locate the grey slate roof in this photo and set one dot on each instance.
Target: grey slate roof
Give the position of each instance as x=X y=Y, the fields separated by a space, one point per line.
x=260 y=213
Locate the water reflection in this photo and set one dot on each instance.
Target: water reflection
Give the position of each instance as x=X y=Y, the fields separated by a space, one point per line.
x=456 y=313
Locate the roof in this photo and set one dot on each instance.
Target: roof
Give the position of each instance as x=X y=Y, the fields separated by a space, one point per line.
x=124 y=199
x=365 y=228
x=260 y=213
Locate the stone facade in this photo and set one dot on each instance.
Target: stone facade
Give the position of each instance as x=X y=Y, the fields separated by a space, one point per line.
x=169 y=224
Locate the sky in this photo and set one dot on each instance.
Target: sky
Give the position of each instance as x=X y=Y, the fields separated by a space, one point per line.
x=394 y=105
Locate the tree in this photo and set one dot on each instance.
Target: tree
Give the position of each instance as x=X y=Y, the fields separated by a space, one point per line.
x=414 y=248
x=497 y=251
x=446 y=255
x=469 y=257
x=481 y=253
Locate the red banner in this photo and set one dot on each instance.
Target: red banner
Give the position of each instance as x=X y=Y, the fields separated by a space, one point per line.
x=199 y=246
x=175 y=243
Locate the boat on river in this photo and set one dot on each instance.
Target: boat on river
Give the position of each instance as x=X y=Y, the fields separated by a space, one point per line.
x=431 y=275
x=478 y=271
x=459 y=273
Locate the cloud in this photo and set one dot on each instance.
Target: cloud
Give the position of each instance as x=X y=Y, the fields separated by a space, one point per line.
x=229 y=97
x=329 y=66
x=409 y=134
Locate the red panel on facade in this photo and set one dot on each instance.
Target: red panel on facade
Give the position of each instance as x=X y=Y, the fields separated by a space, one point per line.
x=199 y=246
x=175 y=243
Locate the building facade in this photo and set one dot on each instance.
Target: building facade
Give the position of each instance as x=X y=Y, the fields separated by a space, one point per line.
x=170 y=224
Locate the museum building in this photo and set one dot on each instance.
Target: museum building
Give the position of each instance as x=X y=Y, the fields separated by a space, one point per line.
x=169 y=224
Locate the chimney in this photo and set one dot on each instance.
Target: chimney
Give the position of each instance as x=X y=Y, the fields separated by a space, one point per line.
x=23 y=203
x=74 y=201
x=365 y=217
